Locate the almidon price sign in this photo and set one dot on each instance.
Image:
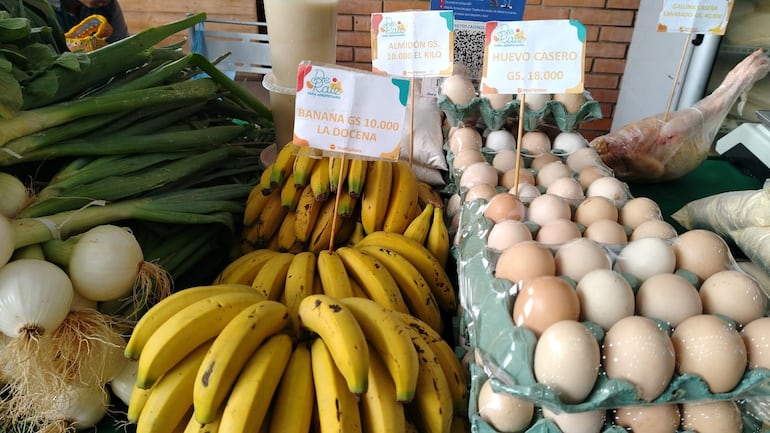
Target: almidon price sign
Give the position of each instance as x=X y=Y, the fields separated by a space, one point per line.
x=545 y=56
x=349 y=111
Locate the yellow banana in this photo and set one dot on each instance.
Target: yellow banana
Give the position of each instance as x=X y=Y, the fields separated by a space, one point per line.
x=186 y=330
x=271 y=278
x=423 y=260
x=171 y=397
x=411 y=428
x=346 y=207
x=389 y=338
x=230 y=351
x=376 y=195
x=136 y=403
x=341 y=333
x=427 y=194
x=160 y=313
x=272 y=243
x=461 y=424
x=299 y=283
x=303 y=166
x=283 y=164
x=403 y=198
x=433 y=399
x=358 y=233
x=373 y=277
x=243 y=269
x=290 y=195
x=295 y=398
x=357 y=176
x=306 y=214
x=255 y=202
x=287 y=236
x=268 y=221
x=437 y=241
x=319 y=179
x=335 y=281
x=193 y=426
x=338 y=171
x=457 y=376
x=414 y=287
x=418 y=228
x=358 y=292
x=264 y=180
x=327 y=223
x=249 y=401
x=380 y=411
x=337 y=407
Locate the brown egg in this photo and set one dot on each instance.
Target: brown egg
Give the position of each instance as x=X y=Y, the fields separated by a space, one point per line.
x=465 y=138
x=505 y=160
x=503 y=411
x=710 y=347
x=566 y=187
x=483 y=191
x=720 y=416
x=653 y=229
x=702 y=252
x=543 y=301
x=595 y=208
x=542 y=160
x=505 y=206
x=572 y=101
x=466 y=157
x=459 y=89
x=658 y=418
x=548 y=207
x=498 y=101
x=509 y=178
x=606 y=231
x=523 y=261
x=578 y=257
x=536 y=101
x=638 y=210
x=590 y=174
x=577 y=422
x=535 y=143
x=605 y=297
x=552 y=171
x=582 y=158
x=557 y=232
x=478 y=172
x=755 y=337
x=735 y=295
x=506 y=233
x=669 y=298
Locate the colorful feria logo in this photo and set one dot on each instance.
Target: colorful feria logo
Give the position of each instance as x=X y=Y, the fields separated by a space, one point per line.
x=391 y=27
x=510 y=36
x=322 y=84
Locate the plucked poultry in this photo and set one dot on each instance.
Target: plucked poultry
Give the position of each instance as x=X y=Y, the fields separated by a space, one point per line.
x=665 y=147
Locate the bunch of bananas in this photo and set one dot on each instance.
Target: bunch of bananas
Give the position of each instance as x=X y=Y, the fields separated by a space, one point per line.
x=308 y=202
x=225 y=358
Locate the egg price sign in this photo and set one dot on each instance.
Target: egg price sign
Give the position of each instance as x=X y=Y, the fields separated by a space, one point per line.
x=545 y=56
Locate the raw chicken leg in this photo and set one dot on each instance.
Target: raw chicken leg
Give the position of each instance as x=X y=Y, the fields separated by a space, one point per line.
x=655 y=149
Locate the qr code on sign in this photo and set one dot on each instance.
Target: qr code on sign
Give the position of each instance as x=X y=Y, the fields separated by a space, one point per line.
x=469 y=47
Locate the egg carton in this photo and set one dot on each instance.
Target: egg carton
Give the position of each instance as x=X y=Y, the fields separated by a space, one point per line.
x=552 y=113
x=508 y=350
x=539 y=423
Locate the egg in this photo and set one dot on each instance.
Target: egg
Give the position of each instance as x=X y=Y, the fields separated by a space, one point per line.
x=535 y=143
x=702 y=252
x=557 y=232
x=638 y=210
x=498 y=101
x=646 y=257
x=523 y=261
x=483 y=191
x=500 y=139
x=653 y=229
x=735 y=295
x=658 y=418
x=465 y=138
x=590 y=421
x=541 y=160
x=453 y=204
x=508 y=179
x=591 y=174
x=506 y=233
x=548 y=207
x=582 y=158
x=569 y=141
x=466 y=157
x=504 y=412
x=610 y=187
x=526 y=192
x=478 y=172
x=536 y=101
x=577 y=257
x=636 y=349
x=459 y=89
x=756 y=338
x=670 y=298
x=505 y=160
x=606 y=231
x=567 y=360
x=543 y=301
x=595 y=208
x=566 y=187
x=605 y=297
x=710 y=347
x=505 y=206
x=552 y=171
x=720 y=416
x=572 y=101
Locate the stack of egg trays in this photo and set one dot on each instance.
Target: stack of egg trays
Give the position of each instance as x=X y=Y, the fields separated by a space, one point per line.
x=553 y=113
x=508 y=350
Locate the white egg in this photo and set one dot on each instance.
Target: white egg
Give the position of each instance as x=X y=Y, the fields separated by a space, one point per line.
x=459 y=89
x=500 y=139
x=536 y=101
x=605 y=297
x=569 y=141
x=526 y=192
x=610 y=187
x=552 y=171
x=580 y=256
x=478 y=172
x=548 y=207
x=464 y=138
x=643 y=258
x=582 y=158
x=506 y=233
x=566 y=187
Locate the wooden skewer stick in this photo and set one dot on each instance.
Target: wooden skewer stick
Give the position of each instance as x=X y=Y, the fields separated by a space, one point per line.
x=676 y=78
x=518 y=144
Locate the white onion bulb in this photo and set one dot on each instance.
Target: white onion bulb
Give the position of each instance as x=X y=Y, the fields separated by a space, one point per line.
x=105 y=263
x=123 y=383
x=81 y=407
x=6 y=240
x=15 y=195
x=35 y=296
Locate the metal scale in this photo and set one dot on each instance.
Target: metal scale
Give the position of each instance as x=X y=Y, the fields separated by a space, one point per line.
x=748 y=146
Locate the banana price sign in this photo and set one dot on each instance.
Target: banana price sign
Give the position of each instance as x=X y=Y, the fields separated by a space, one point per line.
x=695 y=16
x=413 y=44
x=350 y=111
x=546 y=56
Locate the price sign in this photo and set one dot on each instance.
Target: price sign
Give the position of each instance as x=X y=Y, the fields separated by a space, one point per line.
x=413 y=44
x=695 y=16
x=350 y=111
x=545 y=56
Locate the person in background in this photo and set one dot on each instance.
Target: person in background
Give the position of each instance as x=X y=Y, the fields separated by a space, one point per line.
x=72 y=12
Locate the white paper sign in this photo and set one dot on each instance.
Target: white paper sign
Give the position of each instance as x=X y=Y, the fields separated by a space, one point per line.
x=350 y=111
x=545 y=56
x=695 y=16
x=413 y=44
